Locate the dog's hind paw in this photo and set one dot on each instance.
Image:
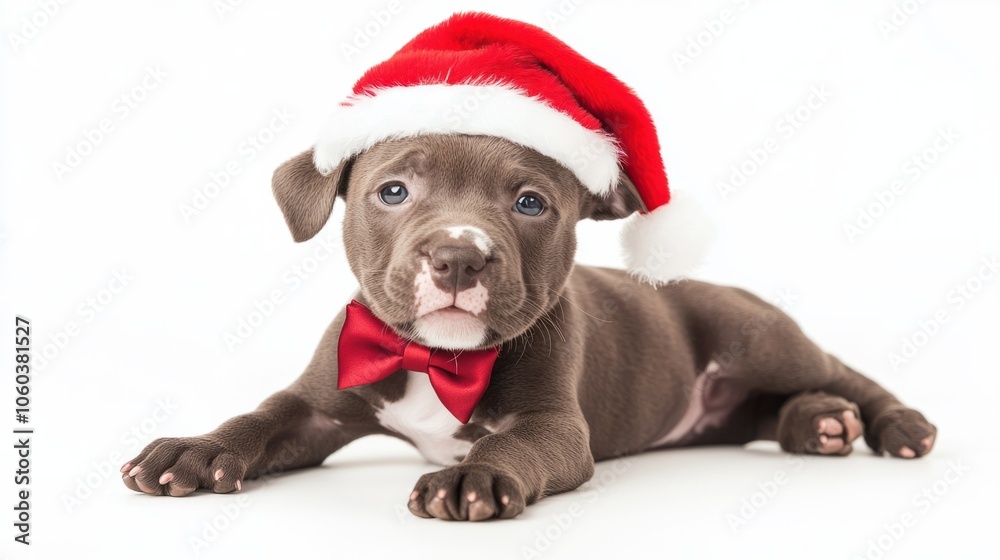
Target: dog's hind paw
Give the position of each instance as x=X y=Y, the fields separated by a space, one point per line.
x=819 y=423
x=902 y=432
x=179 y=466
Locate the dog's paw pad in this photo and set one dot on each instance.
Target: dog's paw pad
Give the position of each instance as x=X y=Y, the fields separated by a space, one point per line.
x=820 y=424
x=835 y=434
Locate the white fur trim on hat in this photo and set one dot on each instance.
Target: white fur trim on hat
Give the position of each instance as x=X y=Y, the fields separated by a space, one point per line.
x=492 y=109
x=668 y=243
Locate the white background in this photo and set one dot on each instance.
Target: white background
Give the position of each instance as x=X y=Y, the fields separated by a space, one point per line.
x=160 y=340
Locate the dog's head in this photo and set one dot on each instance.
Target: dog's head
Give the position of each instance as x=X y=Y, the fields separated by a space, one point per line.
x=457 y=241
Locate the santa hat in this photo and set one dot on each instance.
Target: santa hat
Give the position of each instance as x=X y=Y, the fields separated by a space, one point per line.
x=485 y=75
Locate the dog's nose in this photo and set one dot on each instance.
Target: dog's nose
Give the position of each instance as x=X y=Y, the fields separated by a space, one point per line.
x=457 y=265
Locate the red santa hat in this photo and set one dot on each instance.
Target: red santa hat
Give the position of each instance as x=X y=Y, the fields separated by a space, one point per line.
x=481 y=74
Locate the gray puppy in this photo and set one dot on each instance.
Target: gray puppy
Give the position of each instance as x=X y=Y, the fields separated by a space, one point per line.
x=466 y=242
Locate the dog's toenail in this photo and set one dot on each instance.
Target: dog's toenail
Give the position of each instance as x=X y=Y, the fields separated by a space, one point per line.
x=135 y=471
x=441 y=494
x=907 y=452
x=219 y=474
x=414 y=495
x=471 y=496
x=823 y=438
x=505 y=500
x=166 y=477
x=126 y=467
x=822 y=425
x=239 y=486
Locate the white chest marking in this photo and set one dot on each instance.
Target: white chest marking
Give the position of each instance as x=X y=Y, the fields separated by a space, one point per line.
x=421 y=417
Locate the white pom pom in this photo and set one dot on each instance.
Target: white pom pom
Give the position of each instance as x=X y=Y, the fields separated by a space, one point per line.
x=668 y=243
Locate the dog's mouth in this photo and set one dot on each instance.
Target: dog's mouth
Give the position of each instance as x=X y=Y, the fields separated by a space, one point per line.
x=451 y=310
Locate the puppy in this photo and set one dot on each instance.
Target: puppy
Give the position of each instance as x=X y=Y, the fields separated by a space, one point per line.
x=465 y=161
x=463 y=247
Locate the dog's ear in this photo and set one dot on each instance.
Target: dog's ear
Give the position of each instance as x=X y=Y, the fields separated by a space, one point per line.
x=305 y=195
x=621 y=202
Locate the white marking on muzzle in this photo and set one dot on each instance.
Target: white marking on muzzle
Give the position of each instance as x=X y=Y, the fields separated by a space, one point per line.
x=428 y=296
x=474 y=234
x=448 y=329
x=473 y=299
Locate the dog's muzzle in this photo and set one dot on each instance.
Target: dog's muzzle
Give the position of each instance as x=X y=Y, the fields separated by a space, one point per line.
x=451 y=287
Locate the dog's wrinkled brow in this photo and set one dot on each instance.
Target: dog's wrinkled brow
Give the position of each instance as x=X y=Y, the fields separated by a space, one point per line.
x=519 y=176
x=413 y=161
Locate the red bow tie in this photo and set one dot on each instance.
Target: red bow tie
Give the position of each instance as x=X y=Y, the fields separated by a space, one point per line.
x=370 y=351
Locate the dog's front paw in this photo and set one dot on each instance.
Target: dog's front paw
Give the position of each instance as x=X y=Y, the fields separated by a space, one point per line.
x=178 y=466
x=468 y=492
x=902 y=432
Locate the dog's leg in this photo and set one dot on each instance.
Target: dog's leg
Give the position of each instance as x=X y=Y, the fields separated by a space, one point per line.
x=829 y=405
x=285 y=432
x=890 y=426
x=830 y=402
x=824 y=413
x=838 y=404
x=776 y=357
x=540 y=454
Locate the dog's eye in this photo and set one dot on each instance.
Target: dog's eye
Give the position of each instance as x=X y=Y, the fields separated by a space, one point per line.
x=529 y=205
x=393 y=194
